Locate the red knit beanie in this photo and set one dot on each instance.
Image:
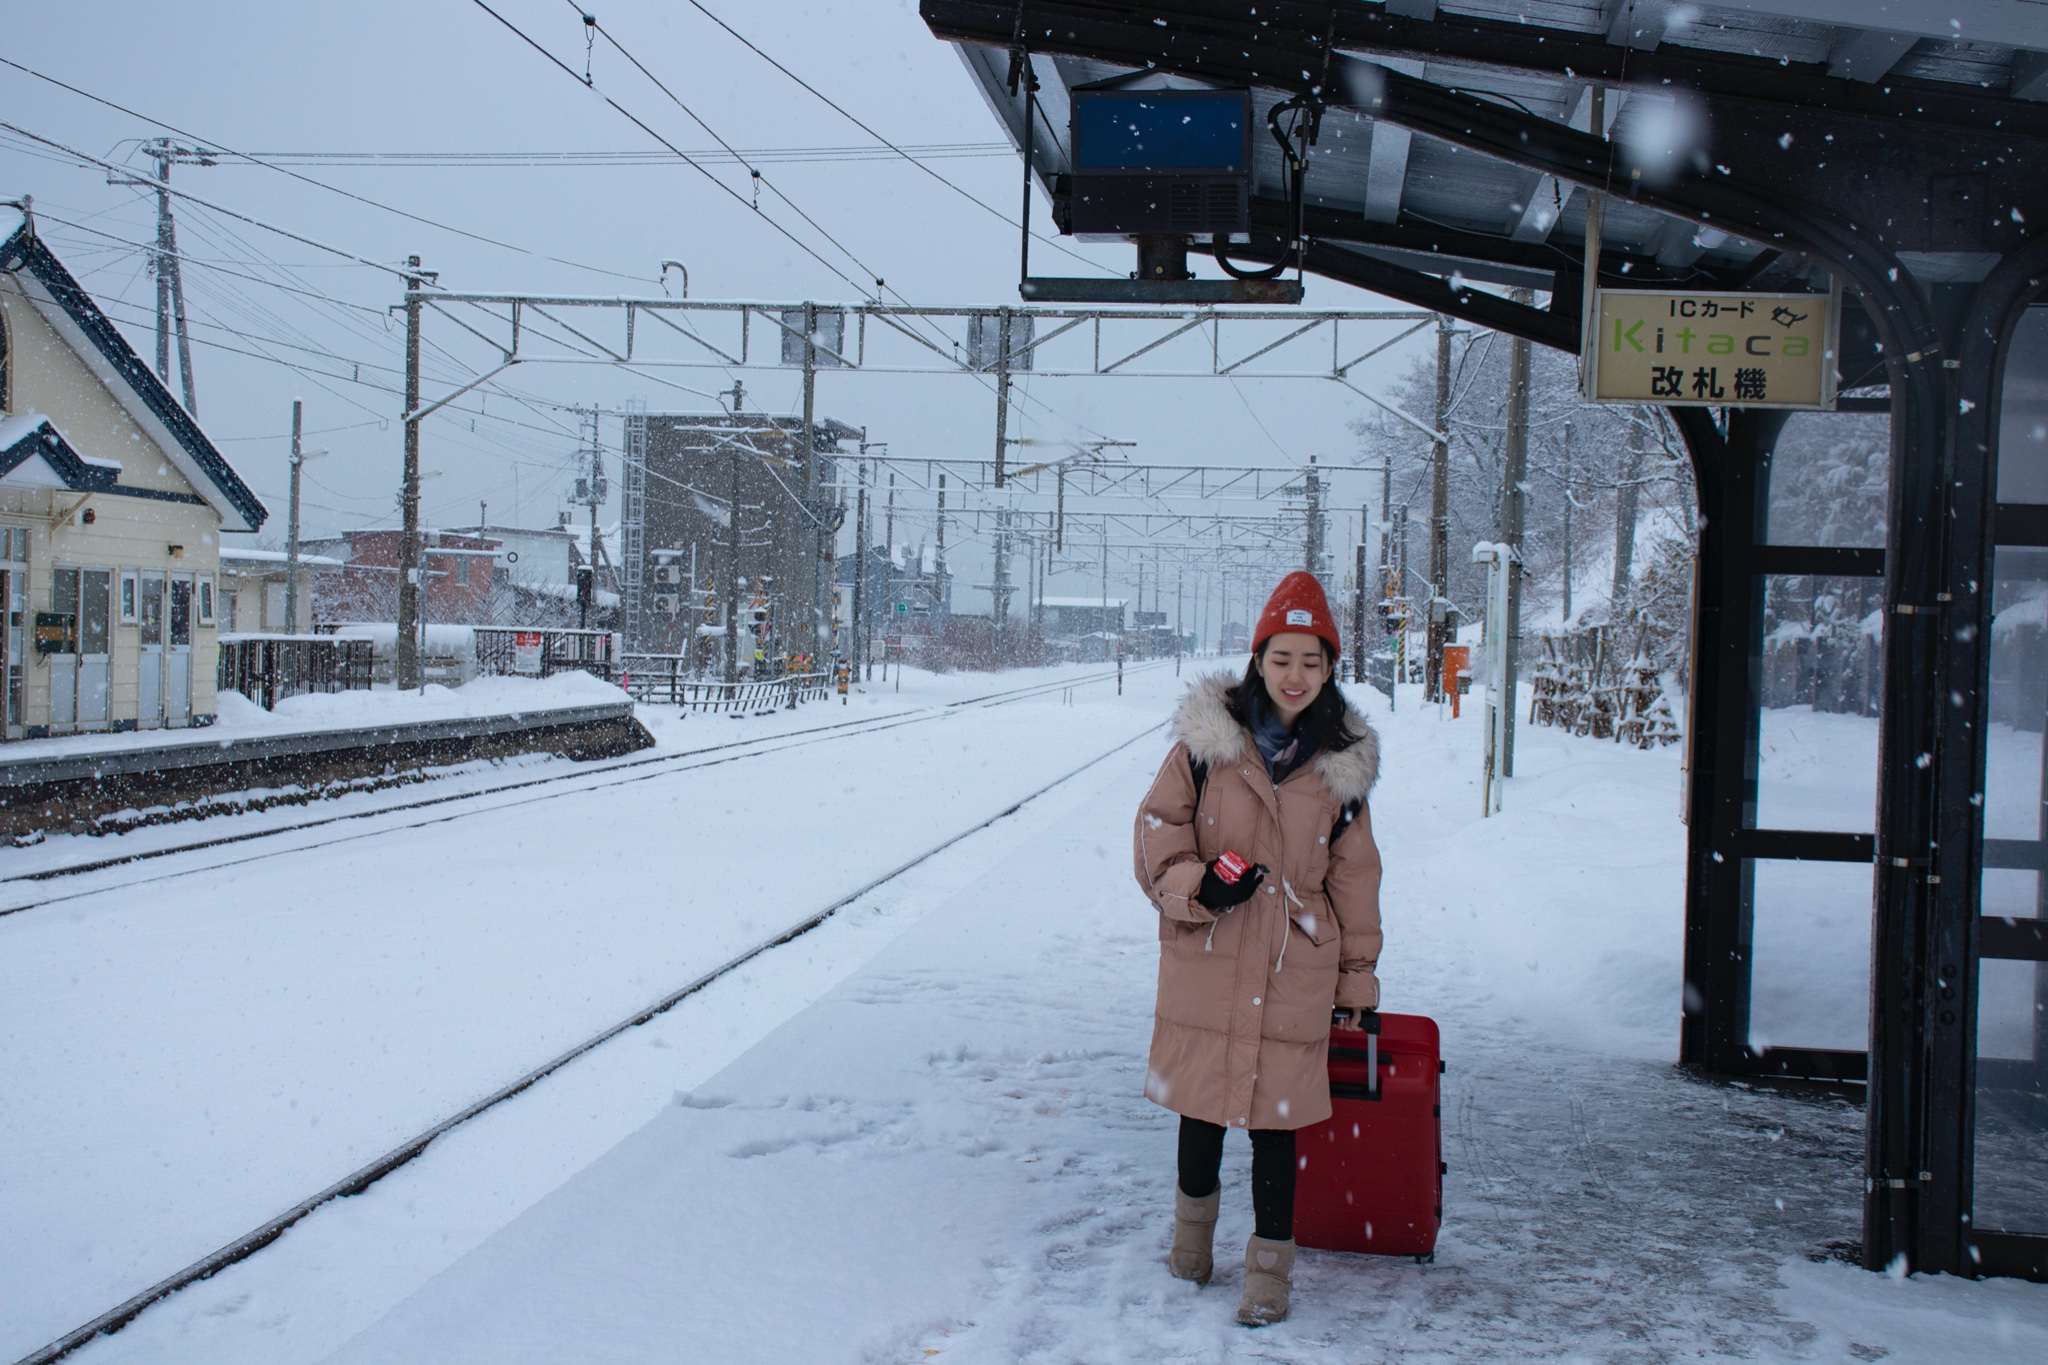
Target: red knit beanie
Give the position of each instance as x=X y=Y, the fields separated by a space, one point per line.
x=1297 y=604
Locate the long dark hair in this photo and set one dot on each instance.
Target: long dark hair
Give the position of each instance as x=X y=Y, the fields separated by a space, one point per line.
x=1327 y=719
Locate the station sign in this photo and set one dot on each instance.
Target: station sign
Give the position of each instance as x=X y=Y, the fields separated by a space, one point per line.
x=526 y=645
x=1713 y=349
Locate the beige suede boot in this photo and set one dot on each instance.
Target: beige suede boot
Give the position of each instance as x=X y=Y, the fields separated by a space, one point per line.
x=1268 y=1280
x=1194 y=1236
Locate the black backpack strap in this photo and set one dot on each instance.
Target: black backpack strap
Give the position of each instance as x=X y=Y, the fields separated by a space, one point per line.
x=1344 y=819
x=1200 y=772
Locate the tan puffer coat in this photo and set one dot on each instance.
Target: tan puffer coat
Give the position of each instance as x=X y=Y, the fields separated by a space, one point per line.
x=1241 y=1032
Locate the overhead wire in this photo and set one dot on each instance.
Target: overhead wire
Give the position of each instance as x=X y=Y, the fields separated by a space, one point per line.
x=844 y=113
x=253 y=159
x=86 y=158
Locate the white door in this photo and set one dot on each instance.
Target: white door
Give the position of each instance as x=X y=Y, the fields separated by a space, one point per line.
x=178 y=652
x=95 y=663
x=150 y=708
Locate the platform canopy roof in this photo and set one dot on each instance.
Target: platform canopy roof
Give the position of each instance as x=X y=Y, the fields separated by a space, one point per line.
x=1921 y=123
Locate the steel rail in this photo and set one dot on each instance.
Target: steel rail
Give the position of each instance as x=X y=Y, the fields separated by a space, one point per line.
x=590 y=779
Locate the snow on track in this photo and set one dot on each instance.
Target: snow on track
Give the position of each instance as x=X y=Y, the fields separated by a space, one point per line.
x=204 y=1050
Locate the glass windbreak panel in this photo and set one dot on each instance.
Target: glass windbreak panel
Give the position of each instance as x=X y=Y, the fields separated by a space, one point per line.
x=2018 y=705
x=1820 y=680
x=64 y=592
x=181 y=611
x=96 y=594
x=152 y=609
x=2012 y=1097
x=1809 y=979
x=2011 y=893
x=1828 y=480
x=2023 y=412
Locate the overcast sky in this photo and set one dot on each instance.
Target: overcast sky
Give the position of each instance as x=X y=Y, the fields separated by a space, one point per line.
x=444 y=76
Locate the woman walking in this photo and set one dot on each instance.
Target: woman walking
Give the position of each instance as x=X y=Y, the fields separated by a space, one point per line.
x=1274 y=769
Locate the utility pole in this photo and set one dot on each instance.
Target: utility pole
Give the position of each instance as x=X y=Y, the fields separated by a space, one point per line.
x=170 y=280
x=1514 y=509
x=406 y=661
x=828 y=536
x=1312 y=552
x=1439 y=519
x=291 y=533
x=1003 y=385
x=939 y=557
x=860 y=568
x=999 y=581
x=732 y=572
x=596 y=492
x=1358 y=613
x=889 y=579
x=1105 y=575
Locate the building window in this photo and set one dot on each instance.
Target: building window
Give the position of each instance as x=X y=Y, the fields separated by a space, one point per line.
x=129 y=598
x=229 y=603
x=205 y=600
x=462 y=570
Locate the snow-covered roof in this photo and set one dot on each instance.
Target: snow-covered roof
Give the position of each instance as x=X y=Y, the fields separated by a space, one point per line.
x=65 y=305
x=251 y=555
x=34 y=454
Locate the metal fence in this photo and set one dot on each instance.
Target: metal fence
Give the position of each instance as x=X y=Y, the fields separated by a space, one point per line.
x=268 y=668
x=542 y=653
x=664 y=678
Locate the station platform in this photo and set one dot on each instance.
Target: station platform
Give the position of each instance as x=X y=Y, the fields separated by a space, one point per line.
x=917 y=1133
x=78 y=783
x=948 y=1158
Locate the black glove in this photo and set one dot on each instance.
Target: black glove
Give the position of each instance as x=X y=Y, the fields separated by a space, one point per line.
x=1219 y=895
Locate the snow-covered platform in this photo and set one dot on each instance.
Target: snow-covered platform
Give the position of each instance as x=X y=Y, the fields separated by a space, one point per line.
x=307 y=741
x=917 y=1133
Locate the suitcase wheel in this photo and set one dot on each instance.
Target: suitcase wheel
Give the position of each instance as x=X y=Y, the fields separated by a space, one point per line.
x=1426 y=1258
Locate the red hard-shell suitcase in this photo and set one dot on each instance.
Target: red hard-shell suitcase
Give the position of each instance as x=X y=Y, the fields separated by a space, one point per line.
x=1371 y=1177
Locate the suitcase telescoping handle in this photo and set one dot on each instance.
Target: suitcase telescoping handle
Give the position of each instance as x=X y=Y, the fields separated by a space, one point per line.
x=1369 y=1021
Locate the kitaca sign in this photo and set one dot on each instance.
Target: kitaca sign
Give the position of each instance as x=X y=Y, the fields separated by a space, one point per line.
x=1738 y=350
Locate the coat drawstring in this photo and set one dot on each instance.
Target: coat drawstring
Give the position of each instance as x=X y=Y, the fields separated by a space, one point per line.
x=1210 y=942
x=1285 y=921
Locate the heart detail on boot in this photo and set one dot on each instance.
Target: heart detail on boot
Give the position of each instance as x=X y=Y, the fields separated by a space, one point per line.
x=1268 y=1259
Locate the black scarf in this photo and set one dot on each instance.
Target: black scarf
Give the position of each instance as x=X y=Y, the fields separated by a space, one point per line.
x=1284 y=747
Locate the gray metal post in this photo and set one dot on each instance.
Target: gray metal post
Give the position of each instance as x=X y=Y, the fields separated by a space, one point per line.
x=291 y=533
x=406 y=665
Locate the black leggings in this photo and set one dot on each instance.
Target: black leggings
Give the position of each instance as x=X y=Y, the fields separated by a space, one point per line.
x=1201 y=1161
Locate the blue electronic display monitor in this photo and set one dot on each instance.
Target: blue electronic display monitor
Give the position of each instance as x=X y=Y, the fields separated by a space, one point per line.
x=1201 y=132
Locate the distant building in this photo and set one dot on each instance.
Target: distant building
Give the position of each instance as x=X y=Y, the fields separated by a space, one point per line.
x=903 y=596
x=112 y=505
x=1068 y=618
x=699 y=470
x=252 y=589
x=457 y=574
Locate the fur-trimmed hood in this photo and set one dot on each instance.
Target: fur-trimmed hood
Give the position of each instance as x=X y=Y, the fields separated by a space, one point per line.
x=1214 y=737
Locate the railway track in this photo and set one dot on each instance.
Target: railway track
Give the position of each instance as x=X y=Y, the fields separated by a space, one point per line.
x=450 y=806
x=362 y=1179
